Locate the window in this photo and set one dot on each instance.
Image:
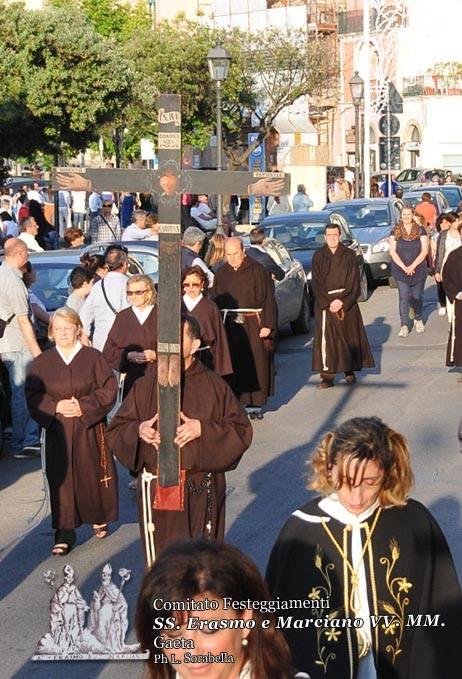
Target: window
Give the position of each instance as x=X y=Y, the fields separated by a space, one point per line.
x=147 y=262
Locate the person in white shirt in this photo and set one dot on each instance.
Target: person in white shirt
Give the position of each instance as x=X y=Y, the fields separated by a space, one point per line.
x=202 y=213
x=35 y=193
x=8 y=225
x=95 y=205
x=107 y=297
x=137 y=230
x=301 y=202
x=78 y=209
x=81 y=281
x=29 y=229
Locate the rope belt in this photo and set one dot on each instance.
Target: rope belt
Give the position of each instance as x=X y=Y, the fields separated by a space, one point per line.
x=148 y=525
x=323 y=331
x=240 y=314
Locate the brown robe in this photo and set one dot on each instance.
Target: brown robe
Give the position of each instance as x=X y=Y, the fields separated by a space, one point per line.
x=452 y=282
x=226 y=435
x=73 y=445
x=250 y=286
x=128 y=334
x=213 y=335
x=346 y=345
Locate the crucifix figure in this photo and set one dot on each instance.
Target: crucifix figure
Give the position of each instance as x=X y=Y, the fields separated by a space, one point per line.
x=169 y=181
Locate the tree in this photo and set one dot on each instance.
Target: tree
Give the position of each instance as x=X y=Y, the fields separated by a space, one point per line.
x=269 y=71
x=60 y=80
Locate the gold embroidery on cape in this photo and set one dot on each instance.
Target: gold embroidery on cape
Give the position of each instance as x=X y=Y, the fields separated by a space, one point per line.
x=328 y=634
x=398 y=587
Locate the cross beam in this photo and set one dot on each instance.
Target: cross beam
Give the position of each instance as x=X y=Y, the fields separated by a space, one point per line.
x=169 y=182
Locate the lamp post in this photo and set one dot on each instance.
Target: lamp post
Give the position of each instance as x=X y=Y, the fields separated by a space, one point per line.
x=218 y=60
x=357 y=95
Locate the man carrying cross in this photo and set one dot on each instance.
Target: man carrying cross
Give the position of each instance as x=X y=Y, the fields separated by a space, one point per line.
x=167 y=403
x=213 y=435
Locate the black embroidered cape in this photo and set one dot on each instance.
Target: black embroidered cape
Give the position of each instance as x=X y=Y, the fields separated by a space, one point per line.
x=409 y=573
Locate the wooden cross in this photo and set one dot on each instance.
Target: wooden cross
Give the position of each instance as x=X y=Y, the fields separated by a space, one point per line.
x=170 y=181
x=105 y=480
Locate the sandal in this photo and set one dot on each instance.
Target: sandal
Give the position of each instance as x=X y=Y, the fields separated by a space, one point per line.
x=61 y=549
x=101 y=531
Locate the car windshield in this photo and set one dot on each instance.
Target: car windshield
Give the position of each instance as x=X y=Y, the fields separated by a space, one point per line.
x=452 y=196
x=413 y=200
x=302 y=236
x=52 y=284
x=366 y=214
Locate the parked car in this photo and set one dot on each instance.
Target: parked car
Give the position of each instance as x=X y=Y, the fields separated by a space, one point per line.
x=370 y=221
x=14 y=184
x=54 y=268
x=293 y=291
x=452 y=192
x=414 y=176
x=413 y=198
x=302 y=233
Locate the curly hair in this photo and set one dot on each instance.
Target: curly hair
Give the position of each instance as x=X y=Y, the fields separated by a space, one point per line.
x=364 y=438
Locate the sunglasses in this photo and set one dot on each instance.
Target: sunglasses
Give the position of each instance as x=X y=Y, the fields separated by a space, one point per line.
x=191 y=285
x=136 y=292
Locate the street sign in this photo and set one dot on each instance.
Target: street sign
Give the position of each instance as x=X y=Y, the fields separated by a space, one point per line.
x=389 y=160
x=394 y=101
x=389 y=125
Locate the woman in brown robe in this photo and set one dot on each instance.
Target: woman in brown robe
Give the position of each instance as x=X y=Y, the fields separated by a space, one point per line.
x=69 y=391
x=196 y=303
x=131 y=344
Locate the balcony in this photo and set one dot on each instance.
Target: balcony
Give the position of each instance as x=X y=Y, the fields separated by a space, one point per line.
x=323 y=15
x=432 y=86
x=352 y=22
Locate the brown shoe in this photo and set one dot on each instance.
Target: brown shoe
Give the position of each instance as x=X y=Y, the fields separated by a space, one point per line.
x=325 y=384
x=350 y=378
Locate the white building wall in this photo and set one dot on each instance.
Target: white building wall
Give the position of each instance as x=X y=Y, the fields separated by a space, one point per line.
x=438 y=119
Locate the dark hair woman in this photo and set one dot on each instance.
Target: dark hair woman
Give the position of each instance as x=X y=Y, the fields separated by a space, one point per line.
x=203 y=573
x=408 y=251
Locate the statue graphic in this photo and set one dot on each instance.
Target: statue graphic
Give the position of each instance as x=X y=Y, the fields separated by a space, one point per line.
x=108 y=620
x=104 y=637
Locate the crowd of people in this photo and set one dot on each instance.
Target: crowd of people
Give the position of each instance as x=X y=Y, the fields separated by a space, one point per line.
x=376 y=556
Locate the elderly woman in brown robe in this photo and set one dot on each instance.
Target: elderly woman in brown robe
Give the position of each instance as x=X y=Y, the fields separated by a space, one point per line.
x=69 y=390
x=196 y=303
x=131 y=344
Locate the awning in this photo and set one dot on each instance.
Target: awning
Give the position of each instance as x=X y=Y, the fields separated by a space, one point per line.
x=290 y=122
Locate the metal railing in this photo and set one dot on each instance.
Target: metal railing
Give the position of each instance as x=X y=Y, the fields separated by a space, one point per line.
x=432 y=86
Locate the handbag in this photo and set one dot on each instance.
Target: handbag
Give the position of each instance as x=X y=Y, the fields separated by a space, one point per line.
x=170 y=498
x=120 y=397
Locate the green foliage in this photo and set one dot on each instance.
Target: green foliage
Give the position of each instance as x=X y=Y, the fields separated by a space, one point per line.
x=268 y=72
x=60 y=81
x=116 y=19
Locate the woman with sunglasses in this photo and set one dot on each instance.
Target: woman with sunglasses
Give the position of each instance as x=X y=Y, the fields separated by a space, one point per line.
x=131 y=346
x=195 y=302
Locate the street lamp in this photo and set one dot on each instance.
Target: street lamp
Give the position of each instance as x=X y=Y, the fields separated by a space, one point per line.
x=357 y=95
x=218 y=60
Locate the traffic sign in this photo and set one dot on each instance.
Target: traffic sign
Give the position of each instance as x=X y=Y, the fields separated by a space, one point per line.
x=392 y=160
x=389 y=125
x=394 y=101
